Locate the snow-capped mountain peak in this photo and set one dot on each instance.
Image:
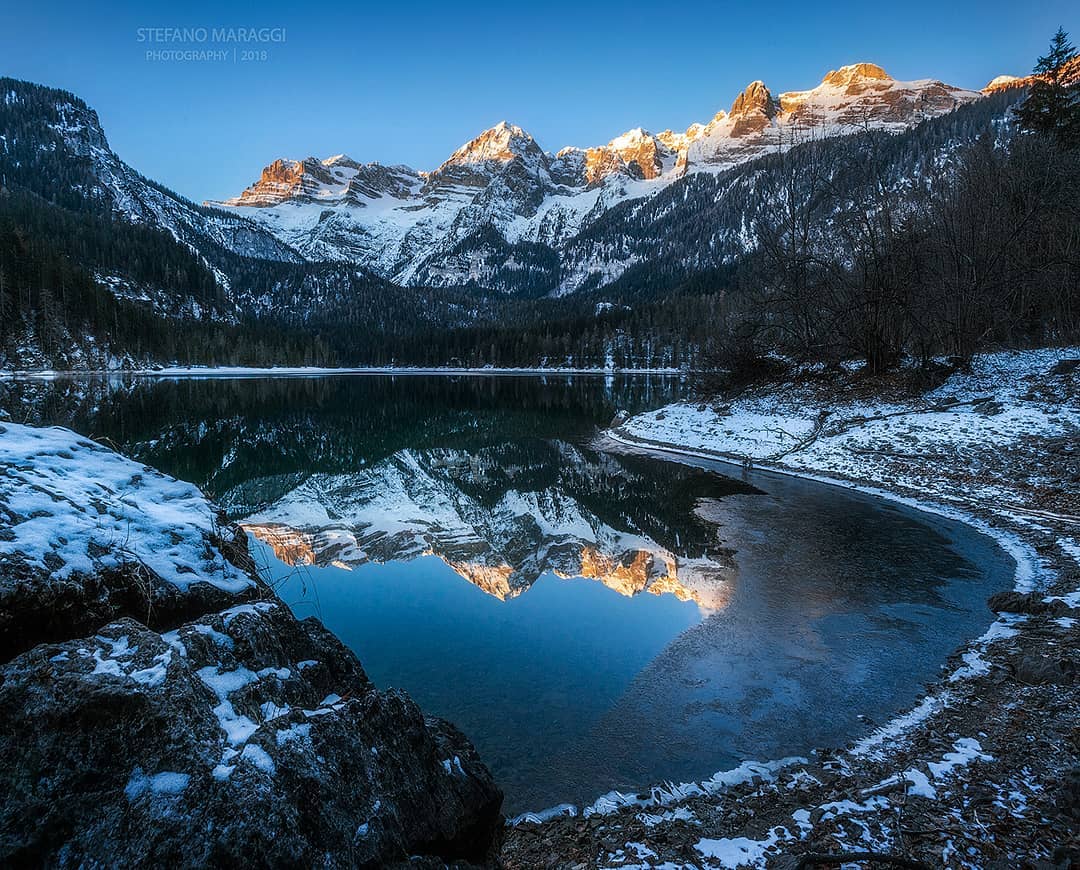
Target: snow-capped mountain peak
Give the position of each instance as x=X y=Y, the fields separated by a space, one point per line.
x=854 y=72
x=500 y=143
x=1002 y=81
x=443 y=227
x=340 y=160
x=862 y=94
x=755 y=98
x=337 y=178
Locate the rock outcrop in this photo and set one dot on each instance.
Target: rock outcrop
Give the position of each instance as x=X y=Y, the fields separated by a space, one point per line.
x=202 y=723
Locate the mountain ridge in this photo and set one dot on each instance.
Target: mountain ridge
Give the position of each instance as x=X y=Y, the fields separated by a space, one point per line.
x=479 y=248
x=409 y=226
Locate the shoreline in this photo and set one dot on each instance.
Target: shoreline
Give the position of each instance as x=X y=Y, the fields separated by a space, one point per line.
x=966 y=775
x=320 y=371
x=1028 y=568
x=981 y=761
x=1026 y=577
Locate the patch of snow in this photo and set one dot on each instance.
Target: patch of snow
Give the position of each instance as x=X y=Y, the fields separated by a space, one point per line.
x=452 y=766
x=77 y=507
x=299 y=731
x=257 y=756
x=241 y=609
x=733 y=852
x=222 y=640
x=681 y=814
x=271 y=710
x=802 y=820
x=238 y=728
x=545 y=815
x=164 y=783
x=965 y=751
x=155 y=674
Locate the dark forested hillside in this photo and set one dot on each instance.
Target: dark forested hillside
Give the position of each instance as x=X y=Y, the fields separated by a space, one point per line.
x=100 y=266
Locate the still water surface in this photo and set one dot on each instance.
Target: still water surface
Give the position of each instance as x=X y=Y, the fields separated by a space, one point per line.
x=592 y=617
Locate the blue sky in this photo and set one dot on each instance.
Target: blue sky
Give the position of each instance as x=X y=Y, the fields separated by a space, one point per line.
x=408 y=82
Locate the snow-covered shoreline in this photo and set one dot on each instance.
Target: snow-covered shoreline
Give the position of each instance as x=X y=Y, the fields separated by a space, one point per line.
x=967 y=451
x=1030 y=573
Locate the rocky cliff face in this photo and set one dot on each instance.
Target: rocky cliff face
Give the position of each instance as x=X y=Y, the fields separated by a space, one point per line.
x=434 y=227
x=173 y=711
x=336 y=179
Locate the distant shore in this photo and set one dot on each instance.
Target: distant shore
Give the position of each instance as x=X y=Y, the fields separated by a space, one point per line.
x=319 y=371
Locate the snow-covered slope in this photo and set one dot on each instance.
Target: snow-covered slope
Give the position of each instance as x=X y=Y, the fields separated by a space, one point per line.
x=74 y=134
x=417 y=227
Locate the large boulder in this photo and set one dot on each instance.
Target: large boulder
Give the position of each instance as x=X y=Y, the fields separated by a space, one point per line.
x=202 y=723
x=87 y=535
x=246 y=736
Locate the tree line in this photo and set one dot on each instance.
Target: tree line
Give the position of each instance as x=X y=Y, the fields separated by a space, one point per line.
x=980 y=248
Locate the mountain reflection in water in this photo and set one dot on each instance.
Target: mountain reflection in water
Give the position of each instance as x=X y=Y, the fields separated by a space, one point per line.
x=477 y=545
x=505 y=515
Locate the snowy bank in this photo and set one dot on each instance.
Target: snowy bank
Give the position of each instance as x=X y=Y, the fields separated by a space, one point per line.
x=968 y=776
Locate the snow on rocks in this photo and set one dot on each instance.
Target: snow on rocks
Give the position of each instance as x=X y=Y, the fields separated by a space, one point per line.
x=89 y=535
x=217 y=733
x=77 y=507
x=188 y=742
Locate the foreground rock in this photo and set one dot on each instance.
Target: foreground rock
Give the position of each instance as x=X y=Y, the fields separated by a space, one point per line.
x=87 y=535
x=235 y=735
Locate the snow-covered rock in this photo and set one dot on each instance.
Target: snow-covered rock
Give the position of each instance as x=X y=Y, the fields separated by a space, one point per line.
x=89 y=535
x=159 y=705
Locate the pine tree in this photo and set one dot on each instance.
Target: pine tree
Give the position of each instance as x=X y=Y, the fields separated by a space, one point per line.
x=1052 y=107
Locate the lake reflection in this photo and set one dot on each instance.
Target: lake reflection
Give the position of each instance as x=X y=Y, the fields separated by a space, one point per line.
x=592 y=617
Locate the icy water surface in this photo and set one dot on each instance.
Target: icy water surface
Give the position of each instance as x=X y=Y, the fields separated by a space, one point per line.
x=591 y=618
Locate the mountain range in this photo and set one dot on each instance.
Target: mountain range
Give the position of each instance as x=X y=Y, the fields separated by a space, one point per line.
x=505 y=253
x=433 y=227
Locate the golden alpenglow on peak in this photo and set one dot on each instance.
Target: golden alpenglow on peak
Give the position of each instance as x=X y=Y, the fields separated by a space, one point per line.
x=502 y=142
x=755 y=97
x=846 y=74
